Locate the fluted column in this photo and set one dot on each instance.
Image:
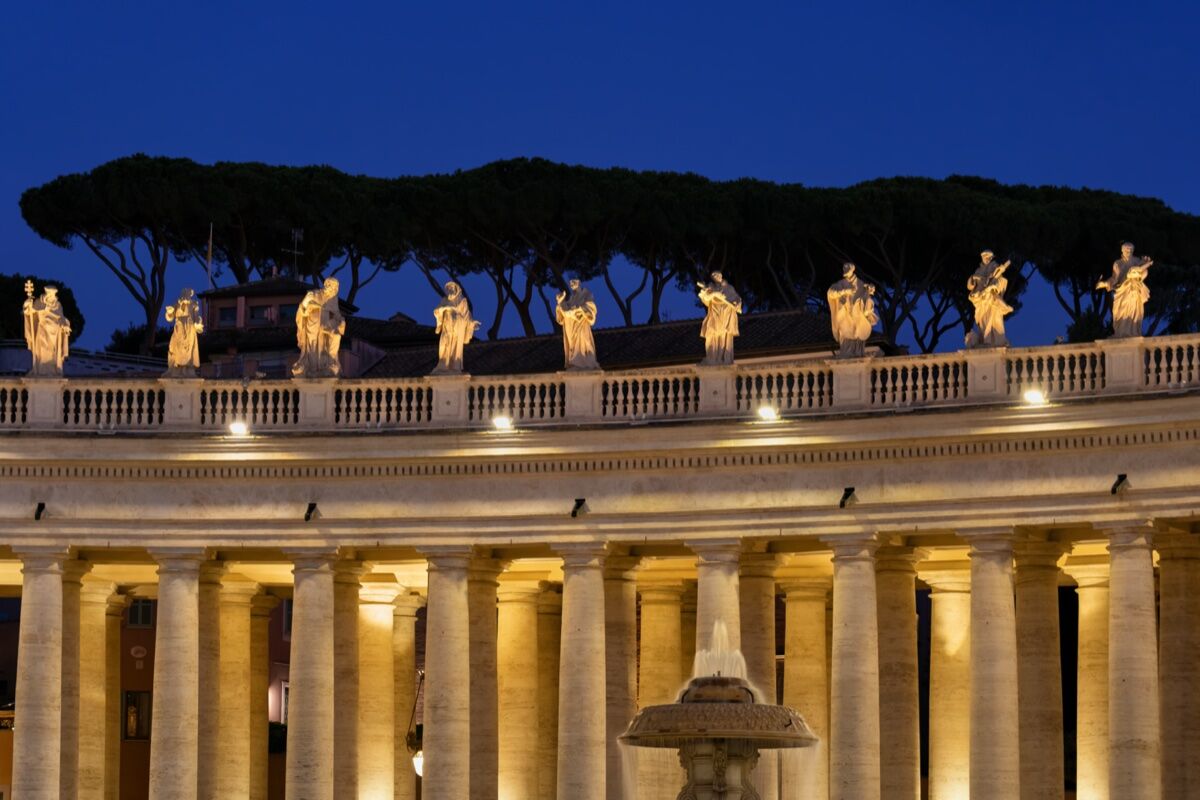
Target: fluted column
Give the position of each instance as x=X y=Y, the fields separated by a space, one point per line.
x=346 y=576
x=404 y=659
x=260 y=682
x=949 y=678
x=68 y=775
x=115 y=707
x=1039 y=670
x=805 y=677
x=236 y=707
x=94 y=719
x=1091 y=698
x=549 y=646
x=581 y=681
x=1179 y=663
x=717 y=596
x=756 y=589
x=899 y=691
x=38 y=737
x=620 y=649
x=517 y=677
x=658 y=676
x=174 y=726
x=1134 y=736
x=208 y=765
x=995 y=725
x=310 y=761
x=485 y=725
x=447 y=728
x=377 y=723
x=854 y=693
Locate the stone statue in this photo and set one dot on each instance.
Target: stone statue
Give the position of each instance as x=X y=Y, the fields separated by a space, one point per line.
x=1128 y=285
x=455 y=327
x=851 y=312
x=183 y=355
x=47 y=331
x=319 y=329
x=720 y=324
x=577 y=314
x=985 y=289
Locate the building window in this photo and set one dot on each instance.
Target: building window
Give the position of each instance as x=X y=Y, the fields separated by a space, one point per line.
x=260 y=315
x=141 y=613
x=285 y=687
x=287 y=620
x=137 y=715
x=227 y=317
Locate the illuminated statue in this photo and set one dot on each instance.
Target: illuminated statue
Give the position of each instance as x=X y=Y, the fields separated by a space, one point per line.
x=1128 y=286
x=577 y=314
x=985 y=289
x=455 y=327
x=183 y=355
x=319 y=329
x=851 y=312
x=47 y=331
x=720 y=325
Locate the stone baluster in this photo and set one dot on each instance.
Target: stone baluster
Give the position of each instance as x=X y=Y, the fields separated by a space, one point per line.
x=949 y=678
x=1039 y=670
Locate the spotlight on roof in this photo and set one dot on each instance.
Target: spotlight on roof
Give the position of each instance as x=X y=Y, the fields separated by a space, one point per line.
x=502 y=423
x=1034 y=397
x=768 y=414
x=239 y=428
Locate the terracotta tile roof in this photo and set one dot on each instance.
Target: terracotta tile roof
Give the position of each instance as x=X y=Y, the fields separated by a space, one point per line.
x=268 y=287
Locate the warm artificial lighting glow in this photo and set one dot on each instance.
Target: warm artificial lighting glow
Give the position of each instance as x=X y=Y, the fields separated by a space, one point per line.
x=419 y=763
x=238 y=428
x=768 y=414
x=1034 y=397
x=502 y=423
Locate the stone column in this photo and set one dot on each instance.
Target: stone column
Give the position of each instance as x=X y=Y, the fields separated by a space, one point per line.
x=717 y=590
x=620 y=648
x=1039 y=670
x=517 y=676
x=68 y=775
x=949 y=678
x=756 y=582
x=581 y=714
x=485 y=725
x=260 y=683
x=854 y=692
x=899 y=695
x=115 y=700
x=549 y=644
x=995 y=724
x=1091 y=704
x=38 y=737
x=1179 y=663
x=94 y=719
x=404 y=659
x=236 y=717
x=805 y=677
x=687 y=631
x=175 y=723
x=346 y=575
x=1134 y=743
x=377 y=723
x=211 y=696
x=658 y=676
x=447 y=728
x=310 y=760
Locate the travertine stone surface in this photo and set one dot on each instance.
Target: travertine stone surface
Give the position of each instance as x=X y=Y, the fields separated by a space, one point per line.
x=658 y=676
x=1039 y=670
x=1134 y=735
x=404 y=658
x=94 y=719
x=68 y=777
x=310 y=766
x=260 y=674
x=346 y=574
x=1179 y=663
x=756 y=587
x=211 y=698
x=549 y=646
x=517 y=678
x=854 y=692
x=377 y=723
x=949 y=679
x=620 y=653
x=899 y=697
x=805 y=674
x=485 y=725
x=1091 y=722
x=234 y=746
x=581 y=709
x=687 y=631
x=115 y=706
x=717 y=596
x=447 y=731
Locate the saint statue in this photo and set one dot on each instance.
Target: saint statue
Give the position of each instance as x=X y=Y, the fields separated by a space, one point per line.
x=851 y=312
x=1128 y=285
x=985 y=290
x=183 y=355
x=455 y=327
x=47 y=331
x=577 y=314
x=720 y=324
x=319 y=329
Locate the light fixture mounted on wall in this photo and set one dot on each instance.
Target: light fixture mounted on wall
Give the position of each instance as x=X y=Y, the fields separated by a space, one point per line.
x=413 y=737
x=311 y=512
x=581 y=507
x=1121 y=484
x=849 y=498
x=39 y=511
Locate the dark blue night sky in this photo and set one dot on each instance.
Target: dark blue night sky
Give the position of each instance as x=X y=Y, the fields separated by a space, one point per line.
x=1098 y=94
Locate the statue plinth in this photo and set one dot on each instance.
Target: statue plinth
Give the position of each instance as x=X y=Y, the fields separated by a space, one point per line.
x=45 y=408
x=986 y=372
x=449 y=396
x=583 y=392
x=1124 y=364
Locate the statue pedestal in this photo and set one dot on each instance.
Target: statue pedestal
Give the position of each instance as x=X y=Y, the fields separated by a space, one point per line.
x=583 y=393
x=719 y=769
x=45 y=409
x=316 y=401
x=851 y=382
x=1124 y=364
x=718 y=388
x=449 y=398
x=986 y=376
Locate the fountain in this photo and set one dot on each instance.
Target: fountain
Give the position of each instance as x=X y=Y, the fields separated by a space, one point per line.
x=718 y=724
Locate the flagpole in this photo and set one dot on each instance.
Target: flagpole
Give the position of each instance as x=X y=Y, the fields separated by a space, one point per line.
x=208 y=260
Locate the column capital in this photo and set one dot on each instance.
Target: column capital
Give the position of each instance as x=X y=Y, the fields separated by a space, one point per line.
x=716 y=550
x=1032 y=557
x=308 y=560
x=485 y=570
x=179 y=559
x=348 y=571
x=1177 y=546
x=41 y=560
x=660 y=592
x=448 y=558
x=621 y=567
x=582 y=555
x=407 y=603
x=896 y=558
x=518 y=593
x=1137 y=533
x=1088 y=571
x=74 y=570
x=550 y=599
x=116 y=604
x=816 y=587
x=238 y=589
x=853 y=547
x=947 y=576
x=758 y=565
x=96 y=590
x=212 y=572
x=379 y=589
x=262 y=604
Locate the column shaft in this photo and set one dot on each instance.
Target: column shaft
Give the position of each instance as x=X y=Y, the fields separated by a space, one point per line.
x=1091 y=697
x=756 y=583
x=658 y=678
x=485 y=748
x=94 y=718
x=899 y=694
x=68 y=775
x=949 y=679
x=549 y=644
x=1179 y=664
x=236 y=679
x=717 y=591
x=115 y=704
x=687 y=632
x=346 y=575
x=620 y=647
x=1039 y=671
x=404 y=659
x=260 y=682
x=209 y=765
x=581 y=684
x=447 y=737
x=806 y=680
x=517 y=676
x=310 y=730
x=377 y=723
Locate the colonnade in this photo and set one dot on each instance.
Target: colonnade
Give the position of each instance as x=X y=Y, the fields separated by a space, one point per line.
x=527 y=688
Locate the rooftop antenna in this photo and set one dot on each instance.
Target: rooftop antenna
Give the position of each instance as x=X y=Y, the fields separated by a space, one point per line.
x=297 y=238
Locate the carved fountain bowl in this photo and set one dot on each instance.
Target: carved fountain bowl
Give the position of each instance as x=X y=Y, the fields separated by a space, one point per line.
x=718 y=708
